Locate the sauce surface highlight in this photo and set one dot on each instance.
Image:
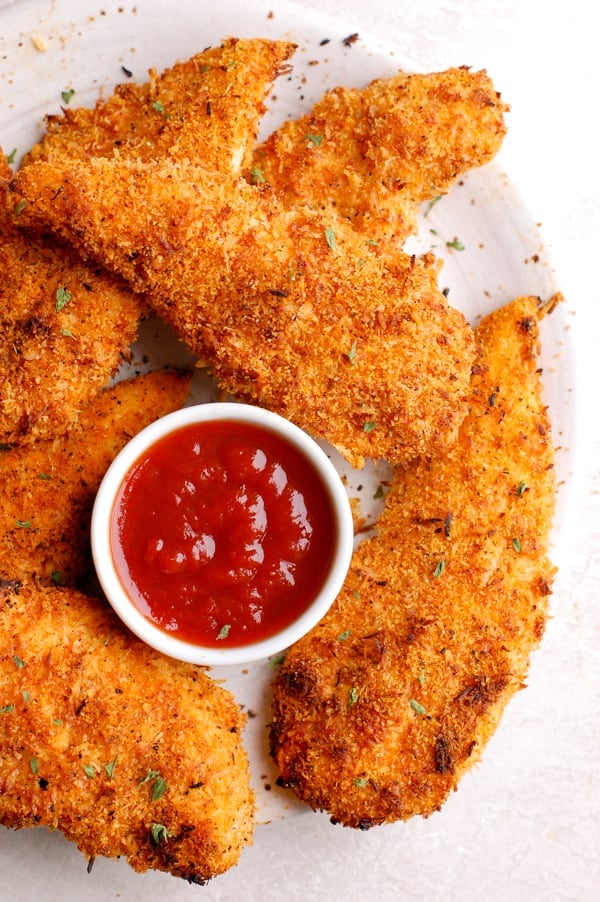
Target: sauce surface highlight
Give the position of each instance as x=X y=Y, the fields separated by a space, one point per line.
x=222 y=533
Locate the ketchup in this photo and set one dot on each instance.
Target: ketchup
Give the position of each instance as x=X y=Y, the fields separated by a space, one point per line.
x=222 y=533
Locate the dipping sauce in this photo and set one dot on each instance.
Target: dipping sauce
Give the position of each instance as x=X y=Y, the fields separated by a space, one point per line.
x=222 y=533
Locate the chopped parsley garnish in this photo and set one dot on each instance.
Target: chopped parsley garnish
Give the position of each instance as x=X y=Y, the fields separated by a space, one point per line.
x=67 y=95
x=353 y=696
x=12 y=156
x=33 y=764
x=439 y=569
x=516 y=543
x=317 y=140
x=417 y=707
x=159 y=833
x=345 y=635
x=378 y=493
x=432 y=204
x=455 y=244
x=18 y=661
x=360 y=782
x=63 y=296
x=7 y=709
x=89 y=770
x=20 y=207
x=159 y=784
x=158 y=106
x=23 y=524
x=110 y=767
x=522 y=488
x=330 y=238
x=224 y=631
x=256 y=176
x=352 y=352
x=369 y=426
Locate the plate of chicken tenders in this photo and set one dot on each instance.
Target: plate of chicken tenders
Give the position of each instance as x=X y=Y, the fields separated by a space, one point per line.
x=282 y=215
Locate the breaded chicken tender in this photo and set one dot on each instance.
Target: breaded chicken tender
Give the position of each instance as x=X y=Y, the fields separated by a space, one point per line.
x=376 y=153
x=292 y=310
x=382 y=708
x=64 y=329
x=207 y=107
x=126 y=752
x=47 y=488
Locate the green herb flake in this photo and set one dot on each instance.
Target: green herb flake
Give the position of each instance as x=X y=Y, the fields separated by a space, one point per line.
x=23 y=524
x=516 y=544
x=352 y=696
x=352 y=352
x=378 y=493
x=369 y=426
x=317 y=140
x=110 y=767
x=19 y=661
x=224 y=631
x=256 y=176
x=345 y=635
x=417 y=707
x=455 y=244
x=57 y=722
x=522 y=488
x=158 y=106
x=421 y=676
x=432 y=204
x=330 y=239
x=89 y=770
x=277 y=661
x=56 y=577
x=355 y=593
x=7 y=709
x=12 y=156
x=26 y=696
x=159 y=833
x=159 y=784
x=441 y=566
x=63 y=296
x=67 y=95
x=44 y=476
x=33 y=764
x=360 y=782
x=20 y=207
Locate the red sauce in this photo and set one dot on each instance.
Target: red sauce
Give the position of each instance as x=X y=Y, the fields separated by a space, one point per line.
x=222 y=533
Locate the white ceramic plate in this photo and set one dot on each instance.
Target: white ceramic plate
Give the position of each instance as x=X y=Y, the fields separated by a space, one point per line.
x=48 y=47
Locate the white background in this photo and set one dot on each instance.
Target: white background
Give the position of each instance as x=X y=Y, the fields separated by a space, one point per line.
x=525 y=826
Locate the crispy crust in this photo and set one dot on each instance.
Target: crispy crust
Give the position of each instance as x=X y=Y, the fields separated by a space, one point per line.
x=376 y=153
x=92 y=720
x=293 y=310
x=48 y=487
x=383 y=707
x=53 y=358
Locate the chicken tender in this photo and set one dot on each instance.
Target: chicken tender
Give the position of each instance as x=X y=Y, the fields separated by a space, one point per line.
x=48 y=487
x=376 y=153
x=292 y=310
x=64 y=329
x=382 y=708
x=126 y=752
x=207 y=107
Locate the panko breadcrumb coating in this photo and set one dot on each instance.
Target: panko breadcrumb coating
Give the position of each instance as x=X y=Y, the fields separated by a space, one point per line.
x=376 y=153
x=382 y=708
x=47 y=488
x=65 y=328
x=126 y=752
x=209 y=106
x=292 y=309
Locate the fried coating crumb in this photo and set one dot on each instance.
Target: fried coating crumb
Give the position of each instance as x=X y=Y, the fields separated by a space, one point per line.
x=375 y=154
x=48 y=487
x=65 y=327
x=384 y=706
x=126 y=752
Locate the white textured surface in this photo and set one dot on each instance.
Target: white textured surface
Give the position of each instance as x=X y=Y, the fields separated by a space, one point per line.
x=525 y=825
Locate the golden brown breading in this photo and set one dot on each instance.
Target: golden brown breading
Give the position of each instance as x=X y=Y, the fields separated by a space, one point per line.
x=292 y=309
x=125 y=751
x=47 y=488
x=207 y=107
x=382 y=708
x=64 y=329
x=376 y=153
